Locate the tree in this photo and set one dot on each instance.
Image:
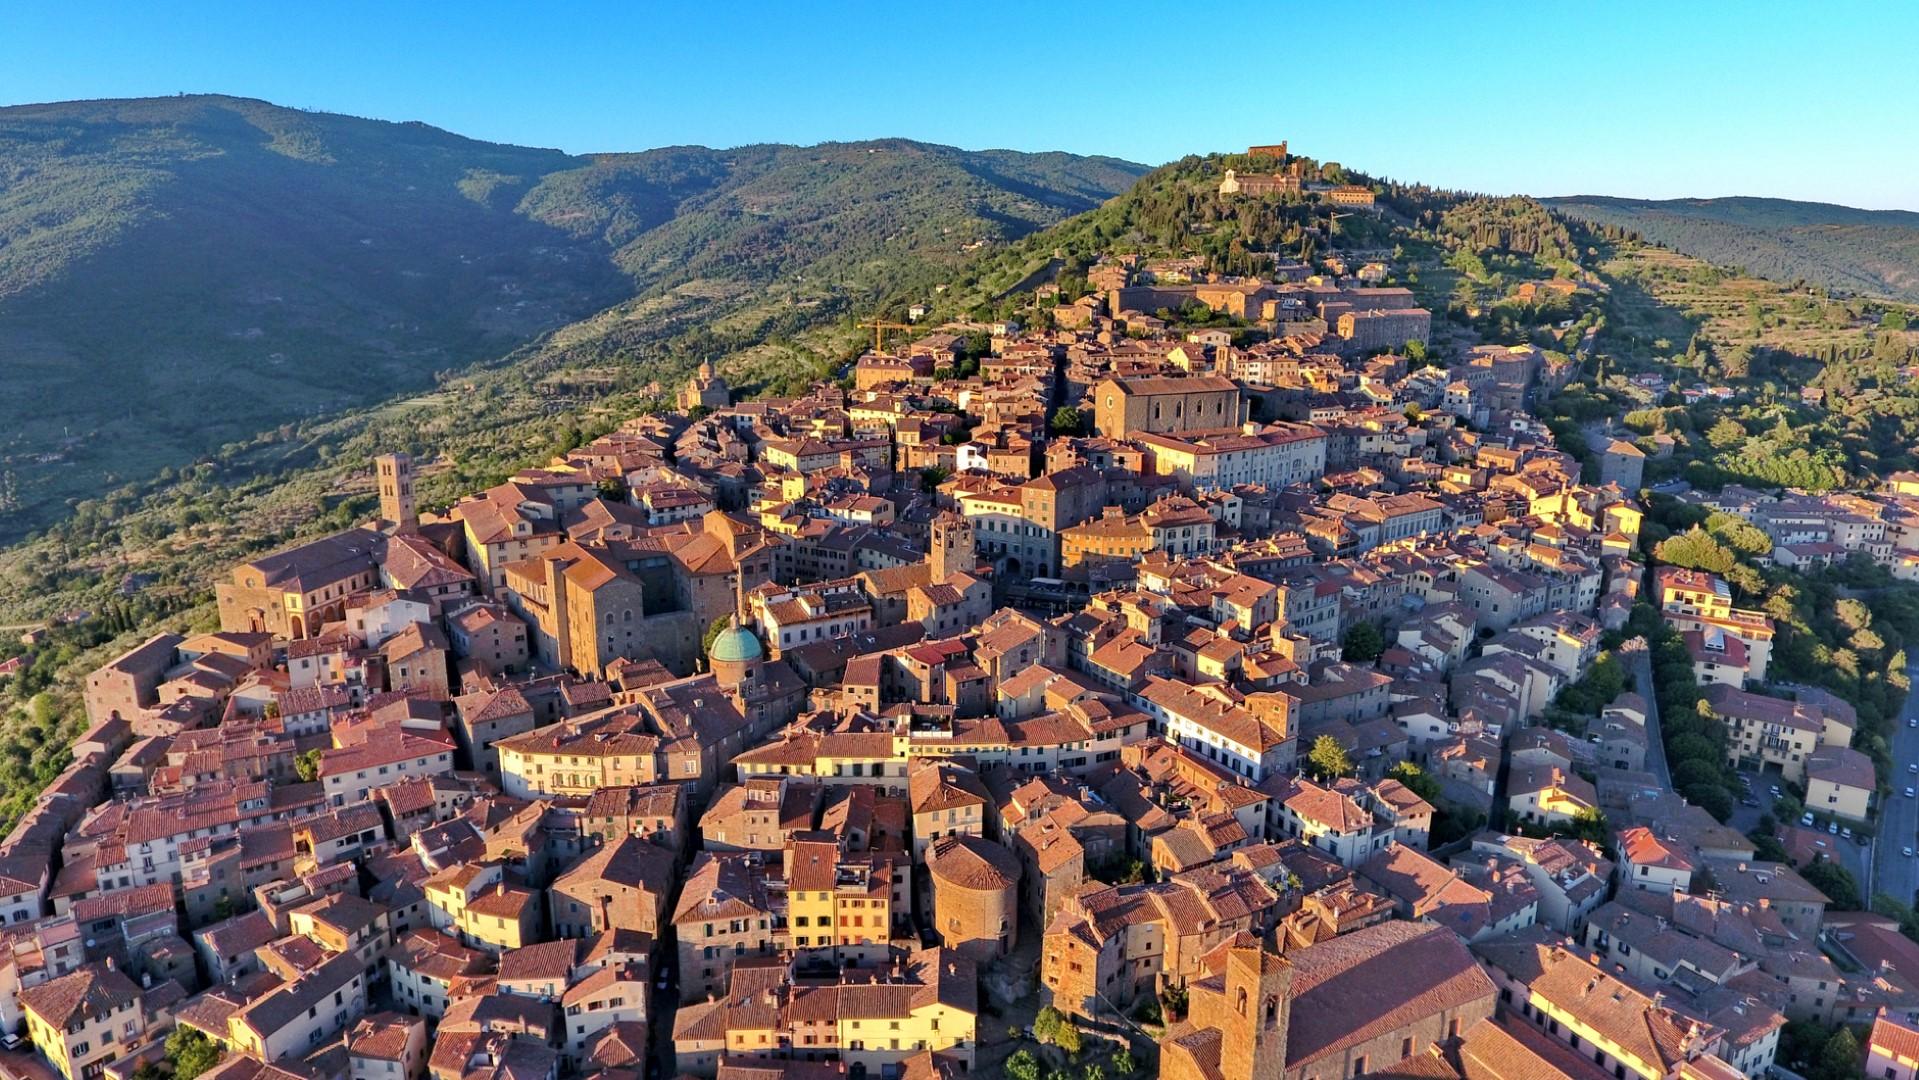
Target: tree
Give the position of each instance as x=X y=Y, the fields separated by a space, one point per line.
x=1117 y=870
x=1839 y=1058
x=1767 y=847
x=1066 y=421
x=1328 y=760
x=1068 y=1038
x=1736 y=533
x=1902 y=913
x=1046 y=1023
x=712 y=634
x=1415 y=352
x=1852 y=614
x=1713 y=798
x=613 y=489
x=1697 y=550
x=307 y=766
x=192 y=1053
x=1725 y=434
x=1053 y=1026
x=1364 y=642
x=1417 y=779
x=1123 y=1062
x=1836 y=882
x=933 y=476
x=1022 y=1066
x=1596 y=689
x=1590 y=825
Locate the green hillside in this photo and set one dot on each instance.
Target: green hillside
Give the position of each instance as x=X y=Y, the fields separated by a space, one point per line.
x=1870 y=252
x=177 y=274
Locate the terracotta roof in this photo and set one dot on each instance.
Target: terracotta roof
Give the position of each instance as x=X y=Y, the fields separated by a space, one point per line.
x=1893 y=1038
x=89 y=993
x=970 y=862
x=1358 y=986
x=383 y=1036
x=547 y=960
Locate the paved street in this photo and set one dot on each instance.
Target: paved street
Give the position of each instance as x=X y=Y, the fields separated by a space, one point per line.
x=1640 y=661
x=1896 y=875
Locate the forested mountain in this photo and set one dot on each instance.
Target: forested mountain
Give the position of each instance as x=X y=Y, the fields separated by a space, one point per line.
x=179 y=273
x=1873 y=252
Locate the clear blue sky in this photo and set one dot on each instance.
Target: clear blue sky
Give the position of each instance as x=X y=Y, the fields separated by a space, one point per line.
x=1657 y=100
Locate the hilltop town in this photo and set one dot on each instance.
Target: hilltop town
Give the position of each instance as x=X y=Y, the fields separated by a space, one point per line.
x=1228 y=676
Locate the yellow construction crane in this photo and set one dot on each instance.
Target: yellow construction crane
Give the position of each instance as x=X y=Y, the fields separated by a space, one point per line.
x=880 y=327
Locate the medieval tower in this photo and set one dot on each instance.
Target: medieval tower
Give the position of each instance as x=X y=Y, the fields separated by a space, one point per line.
x=395 y=475
x=1259 y=1009
x=954 y=550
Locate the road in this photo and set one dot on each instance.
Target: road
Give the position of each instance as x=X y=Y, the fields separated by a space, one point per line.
x=1640 y=660
x=1896 y=875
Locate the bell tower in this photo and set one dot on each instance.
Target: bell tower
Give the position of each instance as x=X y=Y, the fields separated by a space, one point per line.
x=395 y=475
x=1259 y=1009
x=954 y=550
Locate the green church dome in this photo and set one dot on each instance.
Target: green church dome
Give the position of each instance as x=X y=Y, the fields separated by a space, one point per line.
x=735 y=645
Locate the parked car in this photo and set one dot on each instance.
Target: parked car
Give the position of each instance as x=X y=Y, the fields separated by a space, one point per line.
x=1846 y=832
x=1907 y=852
x=1806 y=820
x=1775 y=791
x=1749 y=801
x=1909 y=793
x=1832 y=827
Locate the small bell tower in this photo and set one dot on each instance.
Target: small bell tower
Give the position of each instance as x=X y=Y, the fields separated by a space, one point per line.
x=954 y=550
x=395 y=475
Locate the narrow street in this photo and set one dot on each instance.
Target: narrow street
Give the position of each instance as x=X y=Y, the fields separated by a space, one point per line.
x=1640 y=661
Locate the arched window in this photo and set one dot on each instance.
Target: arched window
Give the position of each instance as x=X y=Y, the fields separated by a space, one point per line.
x=1241 y=1003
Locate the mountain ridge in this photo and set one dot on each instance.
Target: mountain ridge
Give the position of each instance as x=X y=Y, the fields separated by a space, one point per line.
x=292 y=264
x=1842 y=248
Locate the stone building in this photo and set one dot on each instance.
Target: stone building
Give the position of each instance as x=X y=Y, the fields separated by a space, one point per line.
x=398 y=511
x=1125 y=407
x=294 y=592
x=975 y=895
x=706 y=390
x=1355 y=1005
x=622 y=885
x=128 y=683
